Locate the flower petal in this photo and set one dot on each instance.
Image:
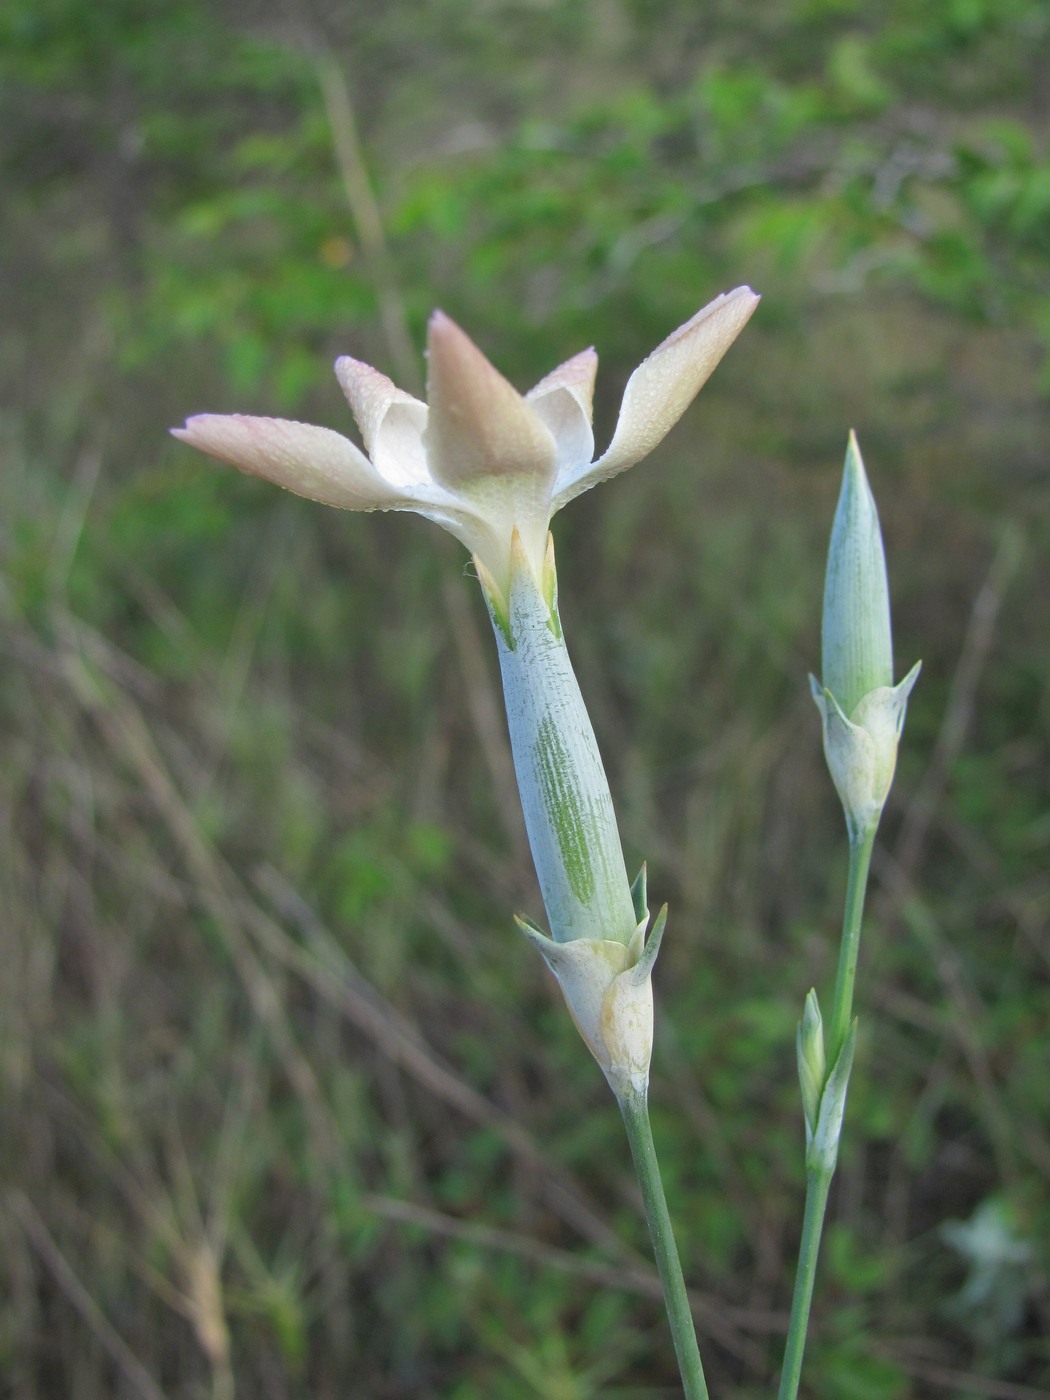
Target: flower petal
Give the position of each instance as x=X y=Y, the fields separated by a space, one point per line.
x=313 y=462
x=662 y=388
x=479 y=425
x=391 y=422
x=563 y=401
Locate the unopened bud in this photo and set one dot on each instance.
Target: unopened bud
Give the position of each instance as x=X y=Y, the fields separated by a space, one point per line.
x=812 y=1064
x=823 y=1146
x=861 y=709
x=856 y=641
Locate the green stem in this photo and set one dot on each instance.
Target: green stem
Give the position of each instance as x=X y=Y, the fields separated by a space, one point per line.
x=860 y=848
x=818 y=1178
x=635 y=1110
x=817 y=1187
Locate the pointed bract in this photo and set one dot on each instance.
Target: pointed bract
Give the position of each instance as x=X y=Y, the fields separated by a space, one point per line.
x=822 y=1147
x=609 y=992
x=861 y=750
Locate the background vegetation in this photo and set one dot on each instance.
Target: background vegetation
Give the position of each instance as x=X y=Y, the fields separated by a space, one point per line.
x=288 y=1109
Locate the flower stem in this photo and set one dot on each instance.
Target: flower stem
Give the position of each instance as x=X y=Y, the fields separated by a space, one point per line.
x=817 y=1186
x=860 y=848
x=635 y=1109
x=818 y=1177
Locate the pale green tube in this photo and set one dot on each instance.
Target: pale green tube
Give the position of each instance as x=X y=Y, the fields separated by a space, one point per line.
x=564 y=791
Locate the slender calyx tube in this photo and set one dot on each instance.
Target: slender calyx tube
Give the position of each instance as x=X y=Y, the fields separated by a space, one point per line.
x=597 y=949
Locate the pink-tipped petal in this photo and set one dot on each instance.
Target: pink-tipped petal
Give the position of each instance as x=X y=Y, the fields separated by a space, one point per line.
x=577 y=375
x=662 y=388
x=313 y=462
x=391 y=423
x=479 y=425
x=370 y=396
x=563 y=401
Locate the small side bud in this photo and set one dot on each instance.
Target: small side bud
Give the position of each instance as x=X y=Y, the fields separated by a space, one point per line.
x=862 y=711
x=823 y=1148
x=812 y=1063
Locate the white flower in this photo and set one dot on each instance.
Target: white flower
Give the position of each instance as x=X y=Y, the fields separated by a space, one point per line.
x=480 y=459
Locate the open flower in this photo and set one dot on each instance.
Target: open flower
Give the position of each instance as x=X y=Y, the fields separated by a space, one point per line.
x=492 y=467
x=480 y=459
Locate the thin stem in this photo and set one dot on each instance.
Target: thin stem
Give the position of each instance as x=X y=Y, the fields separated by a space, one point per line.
x=860 y=848
x=818 y=1177
x=635 y=1110
x=817 y=1187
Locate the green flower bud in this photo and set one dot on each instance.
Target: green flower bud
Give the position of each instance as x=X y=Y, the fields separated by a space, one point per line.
x=812 y=1064
x=861 y=709
x=823 y=1146
x=856 y=640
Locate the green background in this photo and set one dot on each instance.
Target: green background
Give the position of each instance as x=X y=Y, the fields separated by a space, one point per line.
x=288 y=1106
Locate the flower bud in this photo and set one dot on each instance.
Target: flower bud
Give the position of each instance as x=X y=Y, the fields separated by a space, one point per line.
x=812 y=1063
x=856 y=641
x=822 y=1147
x=861 y=709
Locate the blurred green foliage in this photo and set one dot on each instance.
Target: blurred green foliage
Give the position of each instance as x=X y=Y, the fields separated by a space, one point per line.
x=287 y=1109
